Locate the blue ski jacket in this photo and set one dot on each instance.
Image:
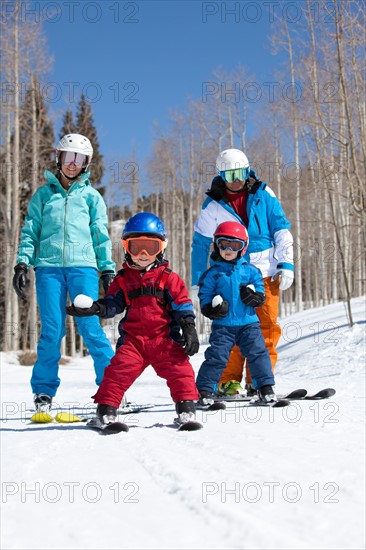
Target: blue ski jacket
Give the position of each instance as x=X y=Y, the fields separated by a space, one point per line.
x=225 y=279
x=66 y=228
x=270 y=241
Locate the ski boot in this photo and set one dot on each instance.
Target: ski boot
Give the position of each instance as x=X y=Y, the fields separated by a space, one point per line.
x=106 y=414
x=106 y=421
x=186 y=411
x=42 y=403
x=231 y=388
x=207 y=402
x=186 y=419
x=267 y=394
x=250 y=390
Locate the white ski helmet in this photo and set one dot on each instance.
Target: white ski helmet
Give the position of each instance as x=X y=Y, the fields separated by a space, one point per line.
x=76 y=143
x=231 y=159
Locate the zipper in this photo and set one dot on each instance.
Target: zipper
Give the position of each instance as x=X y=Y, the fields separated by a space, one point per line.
x=63 y=251
x=66 y=199
x=257 y=220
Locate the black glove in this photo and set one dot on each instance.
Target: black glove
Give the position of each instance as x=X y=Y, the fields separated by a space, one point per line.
x=96 y=309
x=107 y=277
x=191 y=342
x=216 y=312
x=20 y=280
x=250 y=297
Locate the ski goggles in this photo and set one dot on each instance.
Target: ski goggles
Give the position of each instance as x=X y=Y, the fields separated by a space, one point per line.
x=68 y=157
x=235 y=245
x=230 y=176
x=137 y=245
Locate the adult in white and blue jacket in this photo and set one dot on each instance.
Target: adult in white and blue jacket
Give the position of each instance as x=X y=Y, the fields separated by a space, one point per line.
x=270 y=250
x=65 y=239
x=240 y=324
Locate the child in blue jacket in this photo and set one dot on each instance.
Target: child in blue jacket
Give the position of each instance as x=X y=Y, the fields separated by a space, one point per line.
x=229 y=292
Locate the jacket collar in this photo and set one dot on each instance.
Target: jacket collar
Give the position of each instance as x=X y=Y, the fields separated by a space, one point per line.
x=217 y=191
x=218 y=260
x=54 y=182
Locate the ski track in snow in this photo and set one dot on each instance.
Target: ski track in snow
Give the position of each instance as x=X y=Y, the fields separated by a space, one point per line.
x=69 y=487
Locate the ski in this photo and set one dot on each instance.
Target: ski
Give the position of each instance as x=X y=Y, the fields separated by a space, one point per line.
x=303 y=395
x=64 y=417
x=296 y=394
x=274 y=404
x=135 y=408
x=322 y=394
x=41 y=418
x=216 y=406
x=299 y=394
x=190 y=426
x=111 y=428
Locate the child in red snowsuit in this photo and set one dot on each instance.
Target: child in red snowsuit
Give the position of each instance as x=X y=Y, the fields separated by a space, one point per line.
x=158 y=328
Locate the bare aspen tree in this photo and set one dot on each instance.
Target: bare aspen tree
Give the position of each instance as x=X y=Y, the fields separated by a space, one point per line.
x=15 y=215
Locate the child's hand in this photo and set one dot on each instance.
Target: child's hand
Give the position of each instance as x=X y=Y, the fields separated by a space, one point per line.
x=191 y=342
x=216 y=312
x=250 y=297
x=95 y=309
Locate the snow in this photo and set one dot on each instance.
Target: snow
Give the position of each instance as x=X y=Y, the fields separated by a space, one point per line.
x=252 y=478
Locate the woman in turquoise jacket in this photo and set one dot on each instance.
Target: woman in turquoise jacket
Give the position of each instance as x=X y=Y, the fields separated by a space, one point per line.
x=65 y=239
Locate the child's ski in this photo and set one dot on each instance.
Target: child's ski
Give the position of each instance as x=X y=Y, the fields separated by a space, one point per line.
x=111 y=428
x=216 y=406
x=274 y=404
x=135 y=408
x=190 y=426
x=303 y=394
x=322 y=394
x=295 y=395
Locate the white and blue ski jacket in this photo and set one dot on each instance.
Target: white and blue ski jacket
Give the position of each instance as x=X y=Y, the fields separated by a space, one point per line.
x=270 y=241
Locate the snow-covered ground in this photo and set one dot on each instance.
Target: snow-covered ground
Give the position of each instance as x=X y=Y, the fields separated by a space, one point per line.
x=251 y=479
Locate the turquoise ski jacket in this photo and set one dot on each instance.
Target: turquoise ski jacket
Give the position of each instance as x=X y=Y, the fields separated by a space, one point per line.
x=66 y=228
x=225 y=279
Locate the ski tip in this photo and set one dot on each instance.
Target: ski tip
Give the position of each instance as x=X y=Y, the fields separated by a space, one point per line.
x=115 y=428
x=41 y=418
x=296 y=394
x=322 y=394
x=216 y=406
x=329 y=392
x=67 y=418
x=191 y=426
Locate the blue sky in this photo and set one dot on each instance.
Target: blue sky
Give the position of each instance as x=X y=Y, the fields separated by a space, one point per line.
x=136 y=60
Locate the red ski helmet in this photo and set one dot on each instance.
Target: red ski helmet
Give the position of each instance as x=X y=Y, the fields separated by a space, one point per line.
x=234 y=231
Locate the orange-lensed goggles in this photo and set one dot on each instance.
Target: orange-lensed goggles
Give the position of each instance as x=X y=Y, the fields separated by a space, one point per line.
x=150 y=245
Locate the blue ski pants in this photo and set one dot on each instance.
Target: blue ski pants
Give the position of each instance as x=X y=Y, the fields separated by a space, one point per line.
x=52 y=286
x=251 y=343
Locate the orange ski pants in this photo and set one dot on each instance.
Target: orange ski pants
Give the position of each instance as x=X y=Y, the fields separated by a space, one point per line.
x=271 y=331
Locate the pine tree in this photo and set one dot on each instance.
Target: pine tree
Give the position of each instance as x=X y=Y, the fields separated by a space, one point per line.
x=85 y=126
x=68 y=126
x=33 y=111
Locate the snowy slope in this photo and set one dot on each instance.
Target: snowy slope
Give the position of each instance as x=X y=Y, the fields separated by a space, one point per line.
x=252 y=479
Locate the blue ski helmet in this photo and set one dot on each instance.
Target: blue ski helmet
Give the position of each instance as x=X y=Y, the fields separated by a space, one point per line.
x=144 y=223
